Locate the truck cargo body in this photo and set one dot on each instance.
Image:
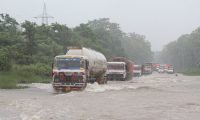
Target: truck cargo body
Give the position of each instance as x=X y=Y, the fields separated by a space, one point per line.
x=77 y=67
x=129 y=65
x=116 y=71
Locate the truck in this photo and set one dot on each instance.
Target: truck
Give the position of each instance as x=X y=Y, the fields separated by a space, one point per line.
x=147 y=68
x=156 y=66
x=137 y=70
x=170 y=69
x=161 y=68
x=129 y=65
x=116 y=71
x=77 y=67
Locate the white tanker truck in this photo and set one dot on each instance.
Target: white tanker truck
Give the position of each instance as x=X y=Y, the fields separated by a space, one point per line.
x=79 y=66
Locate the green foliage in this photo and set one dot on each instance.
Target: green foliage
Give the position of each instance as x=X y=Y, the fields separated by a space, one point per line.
x=109 y=37
x=32 y=48
x=7 y=82
x=8 y=24
x=10 y=79
x=192 y=72
x=137 y=48
x=30 y=41
x=183 y=53
x=26 y=74
x=39 y=69
x=5 y=60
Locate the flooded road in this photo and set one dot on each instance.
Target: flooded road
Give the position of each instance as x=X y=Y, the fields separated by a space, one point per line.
x=153 y=97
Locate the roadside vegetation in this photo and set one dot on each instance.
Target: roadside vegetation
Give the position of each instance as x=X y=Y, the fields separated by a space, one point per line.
x=39 y=73
x=184 y=53
x=27 y=49
x=192 y=72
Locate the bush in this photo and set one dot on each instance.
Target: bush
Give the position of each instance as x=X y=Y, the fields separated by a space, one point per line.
x=7 y=81
x=32 y=73
x=42 y=69
x=192 y=72
x=5 y=60
x=30 y=70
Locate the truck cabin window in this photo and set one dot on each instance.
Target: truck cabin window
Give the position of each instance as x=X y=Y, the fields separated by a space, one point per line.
x=115 y=67
x=69 y=63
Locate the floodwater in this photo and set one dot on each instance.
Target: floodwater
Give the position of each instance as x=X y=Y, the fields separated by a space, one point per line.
x=152 y=97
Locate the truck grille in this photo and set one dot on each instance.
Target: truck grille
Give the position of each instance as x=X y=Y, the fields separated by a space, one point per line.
x=68 y=79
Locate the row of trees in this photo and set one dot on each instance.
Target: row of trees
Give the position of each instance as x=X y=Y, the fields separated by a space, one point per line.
x=29 y=43
x=183 y=53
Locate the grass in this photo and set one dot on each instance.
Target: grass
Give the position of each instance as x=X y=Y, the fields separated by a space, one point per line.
x=7 y=81
x=10 y=79
x=192 y=72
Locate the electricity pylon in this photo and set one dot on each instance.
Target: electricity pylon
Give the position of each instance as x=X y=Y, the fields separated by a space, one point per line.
x=45 y=17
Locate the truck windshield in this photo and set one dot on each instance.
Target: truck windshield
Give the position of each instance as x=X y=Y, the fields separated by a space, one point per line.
x=116 y=67
x=137 y=67
x=68 y=63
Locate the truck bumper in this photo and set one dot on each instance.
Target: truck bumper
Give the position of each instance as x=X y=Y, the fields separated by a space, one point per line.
x=69 y=86
x=115 y=76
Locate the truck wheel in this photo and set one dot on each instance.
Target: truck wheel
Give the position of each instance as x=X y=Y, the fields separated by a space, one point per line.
x=100 y=80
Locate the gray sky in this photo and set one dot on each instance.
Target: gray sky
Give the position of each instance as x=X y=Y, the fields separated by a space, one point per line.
x=161 y=21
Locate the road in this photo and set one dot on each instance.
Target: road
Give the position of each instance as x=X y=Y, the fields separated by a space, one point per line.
x=153 y=97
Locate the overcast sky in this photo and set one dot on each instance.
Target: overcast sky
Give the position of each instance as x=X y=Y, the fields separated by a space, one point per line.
x=161 y=21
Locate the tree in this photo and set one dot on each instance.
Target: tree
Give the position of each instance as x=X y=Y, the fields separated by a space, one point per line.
x=5 y=60
x=137 y=48
x=30 y=41
x=108 y=36
x=184 y=53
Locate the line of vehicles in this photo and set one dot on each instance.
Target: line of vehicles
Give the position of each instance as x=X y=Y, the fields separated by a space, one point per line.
x=81 y=65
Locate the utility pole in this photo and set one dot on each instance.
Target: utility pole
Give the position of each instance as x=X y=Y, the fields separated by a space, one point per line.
x=45 y=17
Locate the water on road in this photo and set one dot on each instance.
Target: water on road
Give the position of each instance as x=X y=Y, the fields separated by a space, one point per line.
x=153 y=97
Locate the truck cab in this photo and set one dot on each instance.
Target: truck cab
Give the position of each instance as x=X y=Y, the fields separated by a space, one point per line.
x=170 y=69
x=161 y=68
x=116 y=70
x=147 y=68
x=70 y=72
x=137 y=70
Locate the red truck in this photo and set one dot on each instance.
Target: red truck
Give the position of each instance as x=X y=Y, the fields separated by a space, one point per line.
x=147 y=68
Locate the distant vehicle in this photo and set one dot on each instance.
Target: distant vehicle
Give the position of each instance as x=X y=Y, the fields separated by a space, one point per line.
x=155 y=66
x=137 y=70
x=116 y=71
x=161 y=68
x=170 y=69
x=147 y=68
x=79 y=66
x=166 y=67
x=129 y=65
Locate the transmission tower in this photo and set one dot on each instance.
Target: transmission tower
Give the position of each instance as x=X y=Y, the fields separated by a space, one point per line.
x=45 y=17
